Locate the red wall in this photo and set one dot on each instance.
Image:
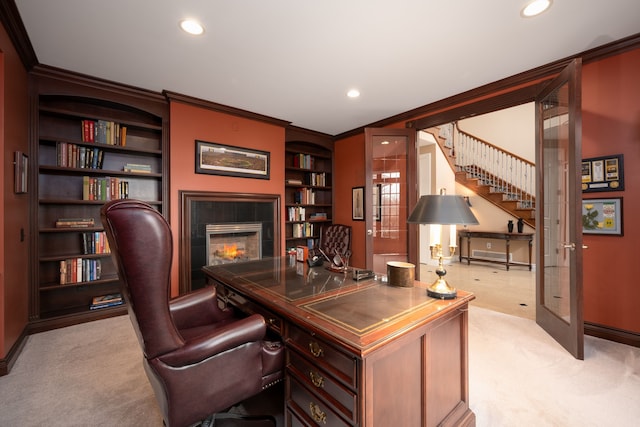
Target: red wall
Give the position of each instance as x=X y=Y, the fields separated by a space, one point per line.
x=348 y=173
x=14 y=213
x=189 y=123
x=611 y=125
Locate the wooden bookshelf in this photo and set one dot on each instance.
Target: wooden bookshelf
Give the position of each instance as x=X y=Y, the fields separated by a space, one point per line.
x=308 y=191
x=63 y=104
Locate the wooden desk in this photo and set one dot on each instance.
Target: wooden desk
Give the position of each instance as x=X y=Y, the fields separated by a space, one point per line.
x=358 y=353
x=507 y=237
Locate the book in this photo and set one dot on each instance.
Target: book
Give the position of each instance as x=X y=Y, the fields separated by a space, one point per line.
x=74 y=222
x=135 y=167
x=104 y=301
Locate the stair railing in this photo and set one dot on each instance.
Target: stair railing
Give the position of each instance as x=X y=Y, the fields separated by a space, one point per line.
x=491 y=165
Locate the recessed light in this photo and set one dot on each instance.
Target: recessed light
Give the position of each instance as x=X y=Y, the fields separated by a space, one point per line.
x=535 y=7
x=353 y=93
x=191 y=26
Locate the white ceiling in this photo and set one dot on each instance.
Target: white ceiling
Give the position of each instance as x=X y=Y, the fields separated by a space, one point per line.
x=295 y=59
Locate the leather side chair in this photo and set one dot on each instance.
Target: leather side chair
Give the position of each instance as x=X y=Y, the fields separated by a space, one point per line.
x=335 y=239
x=199 y=358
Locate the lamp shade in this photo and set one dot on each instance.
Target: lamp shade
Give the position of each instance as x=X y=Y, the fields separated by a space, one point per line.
x=442 y=209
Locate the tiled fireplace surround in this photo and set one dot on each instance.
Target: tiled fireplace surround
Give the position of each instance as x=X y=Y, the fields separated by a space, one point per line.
x=226 y=215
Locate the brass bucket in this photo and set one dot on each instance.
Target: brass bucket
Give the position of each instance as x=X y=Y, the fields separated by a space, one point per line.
x=401 y=274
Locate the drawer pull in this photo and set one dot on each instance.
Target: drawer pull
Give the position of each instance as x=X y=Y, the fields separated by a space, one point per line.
x=315 y=349
x=316 y=379
x=317 y=414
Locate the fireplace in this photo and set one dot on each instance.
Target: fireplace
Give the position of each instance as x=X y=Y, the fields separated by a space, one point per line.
x=209 y=221
x=234 y=242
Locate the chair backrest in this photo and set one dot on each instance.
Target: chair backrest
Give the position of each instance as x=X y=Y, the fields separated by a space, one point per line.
x=335 y=239
x=142 y=247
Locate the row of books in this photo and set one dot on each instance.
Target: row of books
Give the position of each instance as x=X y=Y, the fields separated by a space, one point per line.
x=76 y=156
x=137 y=167
x=305 y=196
x=75 y=222
x=296 y=213
x=95 y=243
x=318 y=179
x=304 y=229
x=104 y=301
x=104 y=132
x=74 y=270
x=104 y=188
x=303 y=161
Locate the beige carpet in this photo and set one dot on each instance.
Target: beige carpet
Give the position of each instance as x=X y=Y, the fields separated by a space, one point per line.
x=91 y=374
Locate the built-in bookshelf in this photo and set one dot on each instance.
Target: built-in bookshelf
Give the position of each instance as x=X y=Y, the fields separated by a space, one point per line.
x=308 y=192
x=93 y=142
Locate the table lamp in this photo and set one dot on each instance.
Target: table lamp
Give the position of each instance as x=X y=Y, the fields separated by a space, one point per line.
x=442 y=210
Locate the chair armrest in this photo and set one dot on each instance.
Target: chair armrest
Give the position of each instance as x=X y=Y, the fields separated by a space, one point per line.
x=197 y=308
x=248 y=329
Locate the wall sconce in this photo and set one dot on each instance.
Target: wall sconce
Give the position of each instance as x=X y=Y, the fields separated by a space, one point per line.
x=442 y=210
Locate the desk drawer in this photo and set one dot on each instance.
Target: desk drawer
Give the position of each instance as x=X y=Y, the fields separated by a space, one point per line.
x=322 y=384
x=249 y=307
x=327 y=357
x=313 y=410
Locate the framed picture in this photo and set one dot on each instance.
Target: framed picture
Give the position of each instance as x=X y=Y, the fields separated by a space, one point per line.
x=219 y=159
x=603 y=174
x=357 y=203
x=602 y=216
x=21 y=167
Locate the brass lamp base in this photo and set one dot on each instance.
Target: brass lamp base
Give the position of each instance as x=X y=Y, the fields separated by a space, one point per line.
x=440 y=288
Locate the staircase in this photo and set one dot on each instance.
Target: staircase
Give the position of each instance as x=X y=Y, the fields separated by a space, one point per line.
x=503 y=179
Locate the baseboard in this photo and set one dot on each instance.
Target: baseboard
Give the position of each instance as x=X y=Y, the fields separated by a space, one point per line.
x=7 y=363
x=612 y=334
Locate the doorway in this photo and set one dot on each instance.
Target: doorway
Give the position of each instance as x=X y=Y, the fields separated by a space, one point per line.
x=512 y=129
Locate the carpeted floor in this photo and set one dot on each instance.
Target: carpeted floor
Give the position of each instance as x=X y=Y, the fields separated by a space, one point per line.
x=91 y=374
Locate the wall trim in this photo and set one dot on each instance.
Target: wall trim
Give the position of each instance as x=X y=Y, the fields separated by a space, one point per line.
x=10 y=18
x=214 y=106
x=612 y=334
x=7 y=362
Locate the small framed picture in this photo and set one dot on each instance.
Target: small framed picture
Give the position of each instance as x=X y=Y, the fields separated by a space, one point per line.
x=602 y=216
x=357 y=203
x=603 y=174
x=21 y=168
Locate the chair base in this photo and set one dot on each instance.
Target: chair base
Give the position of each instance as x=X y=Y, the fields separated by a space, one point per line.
x=212 y=421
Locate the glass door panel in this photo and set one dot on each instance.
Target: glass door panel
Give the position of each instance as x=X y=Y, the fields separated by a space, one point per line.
x=390 y=162
x=559 y=278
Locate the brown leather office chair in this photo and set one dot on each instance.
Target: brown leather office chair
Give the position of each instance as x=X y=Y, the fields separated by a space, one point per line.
x=199 y=358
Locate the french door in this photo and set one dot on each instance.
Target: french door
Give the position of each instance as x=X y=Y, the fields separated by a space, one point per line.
x=390 y=193
x=559 y=295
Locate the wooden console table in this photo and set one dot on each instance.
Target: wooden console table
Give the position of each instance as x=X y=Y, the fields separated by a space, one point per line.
x=507 y=237
x=357 y=353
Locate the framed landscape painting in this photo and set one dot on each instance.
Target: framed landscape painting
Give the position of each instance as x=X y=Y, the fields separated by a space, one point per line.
x=219 y=159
